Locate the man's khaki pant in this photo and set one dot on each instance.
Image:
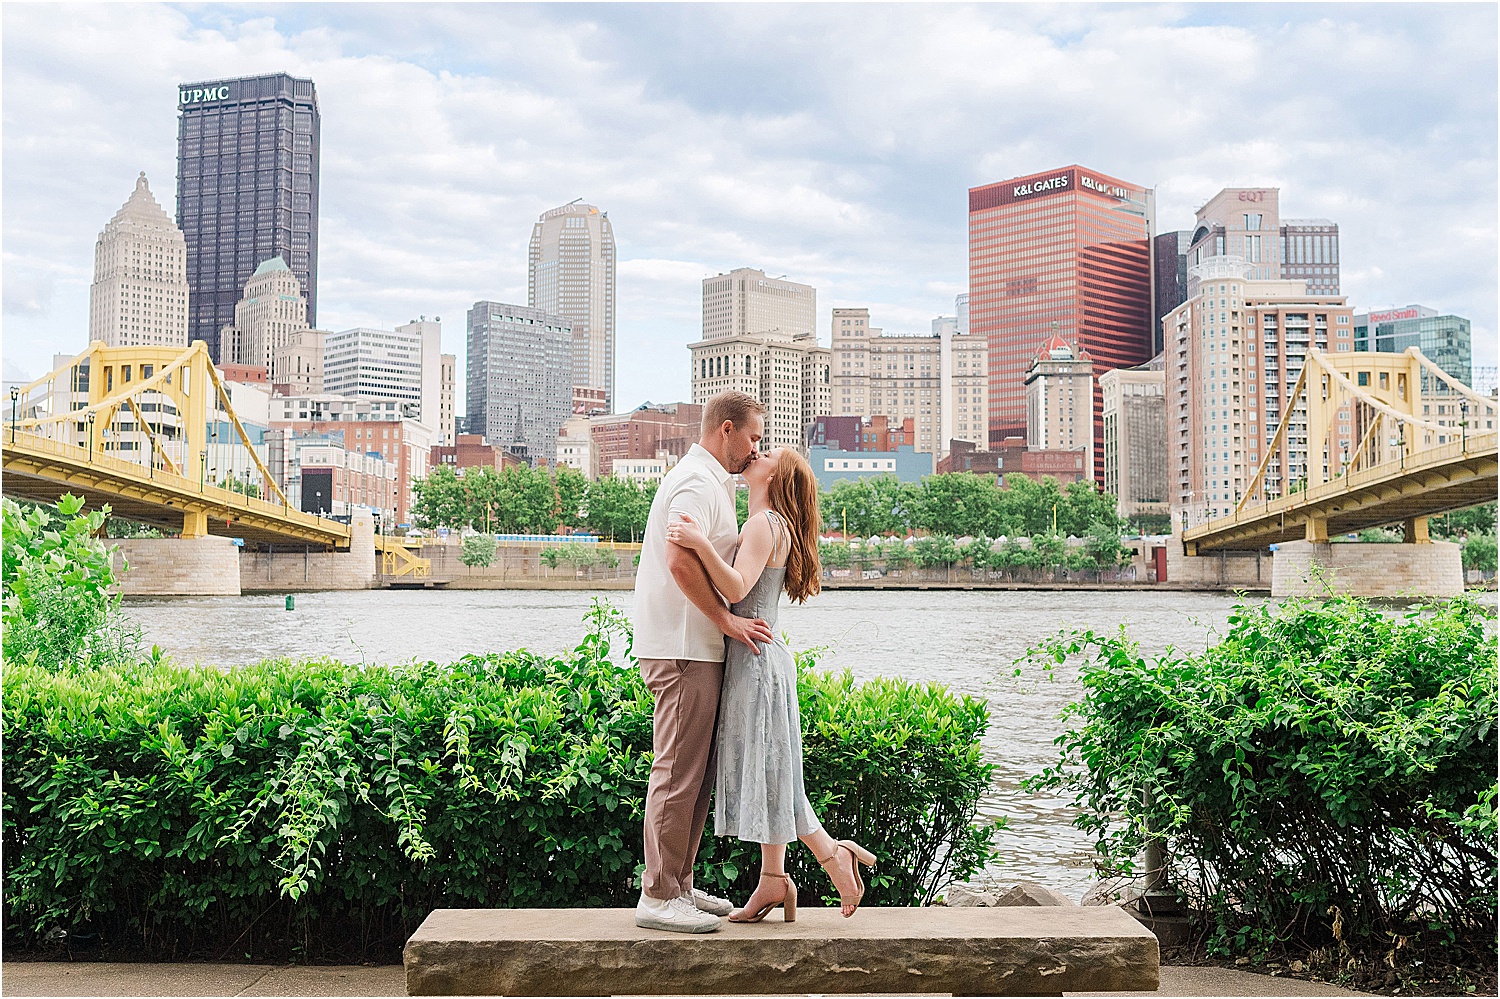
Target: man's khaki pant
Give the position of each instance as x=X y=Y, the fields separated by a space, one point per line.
x=683 y=772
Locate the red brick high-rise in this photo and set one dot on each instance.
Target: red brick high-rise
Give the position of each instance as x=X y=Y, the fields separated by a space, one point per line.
x=1065 y=251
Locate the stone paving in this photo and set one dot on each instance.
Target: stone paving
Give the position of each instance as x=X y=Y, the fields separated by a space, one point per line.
x=46 y=978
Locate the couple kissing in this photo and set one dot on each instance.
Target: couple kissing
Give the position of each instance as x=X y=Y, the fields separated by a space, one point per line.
x=726 y=724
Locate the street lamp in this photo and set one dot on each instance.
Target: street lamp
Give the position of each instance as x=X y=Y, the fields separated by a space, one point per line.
x=15 y=393
x=91 y=435
x=1463 y=407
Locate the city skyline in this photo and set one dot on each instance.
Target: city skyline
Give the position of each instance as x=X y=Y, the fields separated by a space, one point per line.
x=436 y=161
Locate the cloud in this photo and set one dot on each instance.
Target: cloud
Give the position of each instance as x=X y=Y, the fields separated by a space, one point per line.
x=833 y=143
x=26 y=294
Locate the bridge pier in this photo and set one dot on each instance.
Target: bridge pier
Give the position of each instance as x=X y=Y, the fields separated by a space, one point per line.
x=205 y=566
x=1422 y=568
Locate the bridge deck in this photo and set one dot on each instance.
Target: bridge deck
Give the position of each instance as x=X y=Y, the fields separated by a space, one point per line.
x=1434 y=481
x=42 y=469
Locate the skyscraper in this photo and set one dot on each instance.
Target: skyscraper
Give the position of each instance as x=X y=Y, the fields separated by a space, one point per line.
x=571 y=274
x=1067 y=249
x=746 y=301
x=140 y=291
x=1169 y=264
x=1235 y=352
x=270 y=311
x=1246 y=222
x=247 y=191
x=519 y=377
x=1444 y=339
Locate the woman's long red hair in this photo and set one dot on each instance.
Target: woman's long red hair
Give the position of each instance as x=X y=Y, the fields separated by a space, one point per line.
x=794 y=495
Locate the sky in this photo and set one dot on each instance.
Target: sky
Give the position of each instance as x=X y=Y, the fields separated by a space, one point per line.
x=831 y=143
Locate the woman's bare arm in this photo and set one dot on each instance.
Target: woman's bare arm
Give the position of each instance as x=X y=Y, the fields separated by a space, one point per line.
x=733 y=581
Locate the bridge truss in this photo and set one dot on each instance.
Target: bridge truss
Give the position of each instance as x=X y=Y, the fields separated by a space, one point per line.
x=1424 y=444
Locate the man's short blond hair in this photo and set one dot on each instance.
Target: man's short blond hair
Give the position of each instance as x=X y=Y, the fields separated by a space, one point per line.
x=736 y=407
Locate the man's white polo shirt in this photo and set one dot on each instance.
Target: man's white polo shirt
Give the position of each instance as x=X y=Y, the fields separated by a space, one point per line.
x=667 y=625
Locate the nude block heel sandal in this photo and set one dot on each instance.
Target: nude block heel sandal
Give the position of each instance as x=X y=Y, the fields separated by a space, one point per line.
x=787 y=901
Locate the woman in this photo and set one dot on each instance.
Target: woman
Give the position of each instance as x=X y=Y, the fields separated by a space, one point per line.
x=759 y=795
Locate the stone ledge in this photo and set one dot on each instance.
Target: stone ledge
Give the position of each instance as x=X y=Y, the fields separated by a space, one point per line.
x=970 y=951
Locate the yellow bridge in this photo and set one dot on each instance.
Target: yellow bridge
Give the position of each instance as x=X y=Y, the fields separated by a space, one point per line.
x=138 y=428
x=1409 y=464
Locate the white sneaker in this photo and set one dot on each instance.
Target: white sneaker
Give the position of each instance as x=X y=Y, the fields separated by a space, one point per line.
x=676 y=915
x=704 y=902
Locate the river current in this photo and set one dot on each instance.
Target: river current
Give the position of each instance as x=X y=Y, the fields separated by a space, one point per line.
x=967 y=640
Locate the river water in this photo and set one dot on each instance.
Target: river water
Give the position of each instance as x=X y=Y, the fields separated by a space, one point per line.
x=967 y=640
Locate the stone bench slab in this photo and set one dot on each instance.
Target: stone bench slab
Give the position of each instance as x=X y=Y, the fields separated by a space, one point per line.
x=968 y=951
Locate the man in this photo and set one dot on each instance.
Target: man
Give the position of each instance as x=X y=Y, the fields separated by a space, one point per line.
x=680 y=627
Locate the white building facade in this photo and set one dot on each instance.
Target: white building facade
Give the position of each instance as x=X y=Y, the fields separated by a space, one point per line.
x=270 y=311
x=139 y=296
x=1060 y=400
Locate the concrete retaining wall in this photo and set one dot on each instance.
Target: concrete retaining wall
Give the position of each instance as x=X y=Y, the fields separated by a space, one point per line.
x=1227 y=570
x=178 y=567
x=1306 y=568
x=282 y=571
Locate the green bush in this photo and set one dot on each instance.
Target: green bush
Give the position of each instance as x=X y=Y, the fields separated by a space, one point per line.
x=1325 y=774
x=56 y=579
x=1479 y=552
x=835 y=555
x=936 y=551
x=580 y=556
x=320 y=810
x=478 y=549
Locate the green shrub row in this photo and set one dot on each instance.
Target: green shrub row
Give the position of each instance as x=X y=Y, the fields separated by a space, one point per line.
x=1101 y=549
x=320 y=810
x=1324 y=775
x=580 y=556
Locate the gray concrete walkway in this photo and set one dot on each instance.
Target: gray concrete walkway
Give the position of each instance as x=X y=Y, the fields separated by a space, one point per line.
x=22 y=978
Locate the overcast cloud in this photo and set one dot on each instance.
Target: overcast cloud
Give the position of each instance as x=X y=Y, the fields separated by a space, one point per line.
x=830 y=143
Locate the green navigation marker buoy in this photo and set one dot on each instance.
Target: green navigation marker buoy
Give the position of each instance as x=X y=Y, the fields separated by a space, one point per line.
x=291 y=602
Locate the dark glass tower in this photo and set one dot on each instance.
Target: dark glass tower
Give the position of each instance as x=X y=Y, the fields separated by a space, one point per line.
x=247 y=190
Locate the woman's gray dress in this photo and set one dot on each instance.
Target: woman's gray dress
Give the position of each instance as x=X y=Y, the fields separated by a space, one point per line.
x=759 y=795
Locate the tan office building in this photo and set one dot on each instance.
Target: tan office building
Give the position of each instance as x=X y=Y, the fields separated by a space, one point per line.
x=939 y=381
x=880 y=374
x=1234 y=353
x=963 y=390
x=1246 y=222
x=297 y=364
x=140 y=292
x=745 y=302
x=1135 y=438
x=789 y=375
